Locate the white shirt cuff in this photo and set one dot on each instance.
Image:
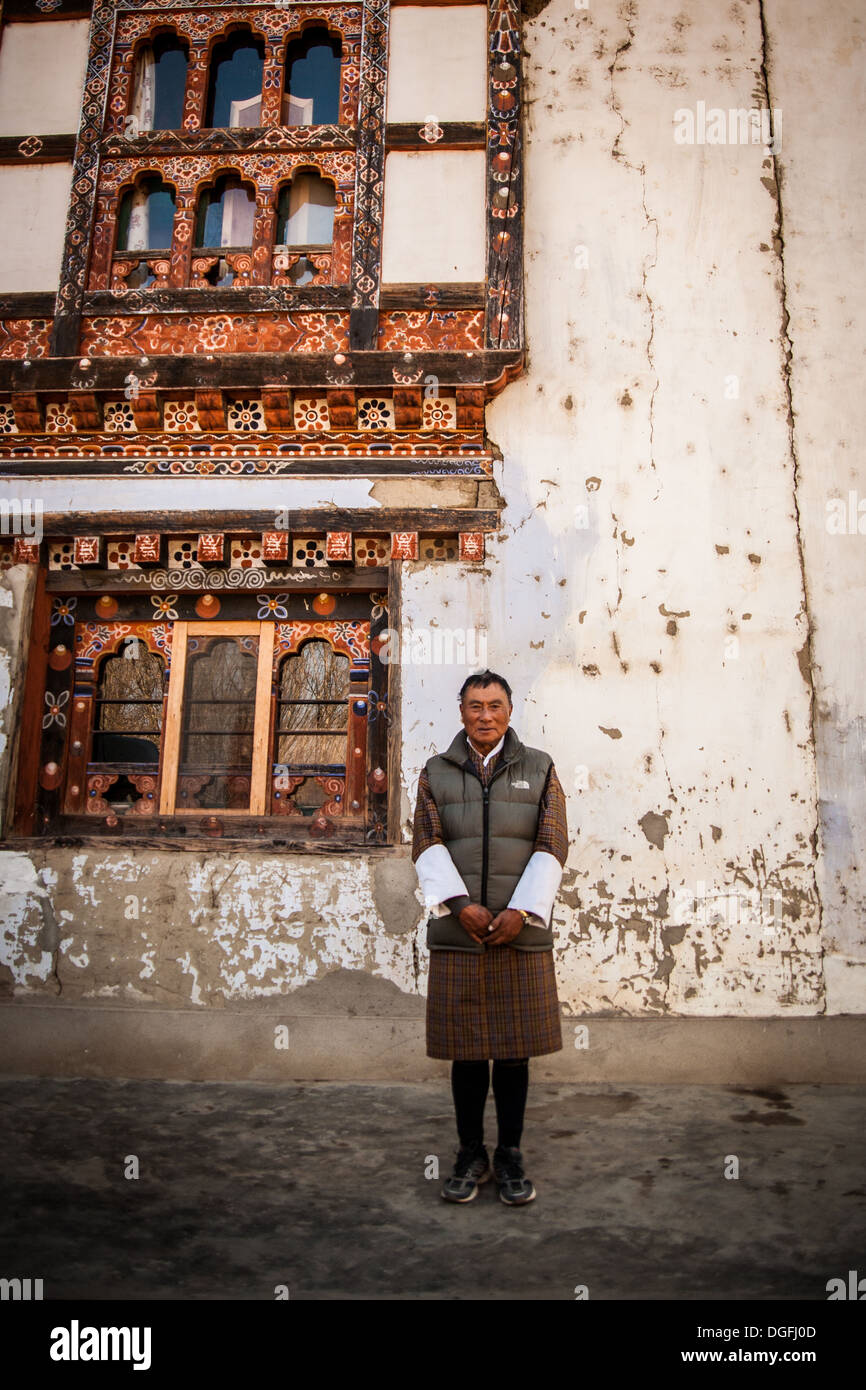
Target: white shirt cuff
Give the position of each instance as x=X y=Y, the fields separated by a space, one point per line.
x=538 y=886
x=439 y=879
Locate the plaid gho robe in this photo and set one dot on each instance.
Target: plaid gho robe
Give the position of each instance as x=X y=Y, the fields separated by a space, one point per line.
x=503 y=1003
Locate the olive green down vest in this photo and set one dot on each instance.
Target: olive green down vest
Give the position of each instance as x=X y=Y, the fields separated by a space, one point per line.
x=503 y=818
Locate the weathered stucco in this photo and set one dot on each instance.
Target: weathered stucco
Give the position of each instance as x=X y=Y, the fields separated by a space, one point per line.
x=679 y=626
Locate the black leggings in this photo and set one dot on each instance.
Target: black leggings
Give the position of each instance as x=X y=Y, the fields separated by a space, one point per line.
x=469 y=1084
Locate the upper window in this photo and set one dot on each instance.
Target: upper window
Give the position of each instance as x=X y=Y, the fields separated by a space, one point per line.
x=160 y=85
x=312 y=90
x=235 y=86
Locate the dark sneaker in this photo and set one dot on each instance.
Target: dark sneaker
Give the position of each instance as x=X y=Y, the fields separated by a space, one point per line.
x=471 y=1169
x=515 y=1189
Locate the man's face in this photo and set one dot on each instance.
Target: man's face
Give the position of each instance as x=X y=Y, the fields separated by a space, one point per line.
x=485 y=711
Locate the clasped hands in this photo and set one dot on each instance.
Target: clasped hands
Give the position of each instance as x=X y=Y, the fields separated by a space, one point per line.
x=488 y=929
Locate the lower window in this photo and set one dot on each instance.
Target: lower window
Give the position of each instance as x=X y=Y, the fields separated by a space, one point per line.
x=178 y=725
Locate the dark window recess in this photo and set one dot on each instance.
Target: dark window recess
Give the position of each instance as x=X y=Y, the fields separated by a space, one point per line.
x=145 y=220
x=312 y=708
x=305 y=211
x=127 y=719
x=171 y=64
x=312 y=80
x=216 y=749
x=235 y=82
x=226 y=214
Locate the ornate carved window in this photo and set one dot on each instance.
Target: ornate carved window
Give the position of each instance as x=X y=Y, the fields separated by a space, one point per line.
x=189 y=725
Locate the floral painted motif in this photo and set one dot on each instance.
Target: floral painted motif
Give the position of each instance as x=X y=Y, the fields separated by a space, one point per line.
x=163 y=607
x=432 y=330
x=273 y=606
x=54 y=714
x=174 y=335
x=375 y=414
x=352 y=638
x=63 y=611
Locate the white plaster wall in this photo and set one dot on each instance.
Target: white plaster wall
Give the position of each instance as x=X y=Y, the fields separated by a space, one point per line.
x=434 y=217
x=646 y=596
x=34 y=200
x=42 y=70
x=152 y=927
x=437 y=63
x=817 y=72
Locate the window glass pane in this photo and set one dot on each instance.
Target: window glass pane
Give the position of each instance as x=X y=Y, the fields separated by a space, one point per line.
x=170 y=84
x=313 y=76
x=128 y=706
x=236 y=75
x=313 y=693
x=161 y=209
x=305 y=212
x=226 y=214
x=216 y=745
x=145 y=220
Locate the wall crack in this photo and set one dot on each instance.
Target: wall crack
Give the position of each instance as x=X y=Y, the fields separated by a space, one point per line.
x=807 y=667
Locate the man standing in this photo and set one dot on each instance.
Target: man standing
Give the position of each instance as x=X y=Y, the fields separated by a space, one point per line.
x=490 y=842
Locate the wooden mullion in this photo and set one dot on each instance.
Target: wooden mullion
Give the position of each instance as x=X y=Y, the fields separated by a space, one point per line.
x=32 y=711
x=356 y=763
x=261 y=760
x=173 y=720
x=395 y=743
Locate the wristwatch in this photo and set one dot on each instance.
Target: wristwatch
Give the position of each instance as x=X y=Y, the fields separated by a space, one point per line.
x=524 y=914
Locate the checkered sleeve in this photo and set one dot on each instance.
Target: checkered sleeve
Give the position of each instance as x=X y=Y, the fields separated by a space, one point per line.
x=552 y=834
x=427 y=829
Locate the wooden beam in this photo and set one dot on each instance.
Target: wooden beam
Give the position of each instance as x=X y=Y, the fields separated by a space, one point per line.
x=23 y=11
x=183 y=833
x=306 y=521
x=238 y=139
x=303 y=580
x=456 y=135
x=419 y=296
x=27 y=304
x=251 y=299
x=37 y=149
x=245 y=371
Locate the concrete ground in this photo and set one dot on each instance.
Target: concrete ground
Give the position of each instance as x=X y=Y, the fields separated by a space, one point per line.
x=322 y=1187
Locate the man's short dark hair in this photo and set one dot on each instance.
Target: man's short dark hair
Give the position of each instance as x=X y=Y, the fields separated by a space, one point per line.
x=485 y=678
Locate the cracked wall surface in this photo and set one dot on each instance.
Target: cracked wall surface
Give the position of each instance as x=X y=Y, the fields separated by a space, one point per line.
x=680 y=628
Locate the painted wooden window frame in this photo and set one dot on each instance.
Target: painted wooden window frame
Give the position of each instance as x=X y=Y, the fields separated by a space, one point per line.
x=63 y=678
x=86 y=275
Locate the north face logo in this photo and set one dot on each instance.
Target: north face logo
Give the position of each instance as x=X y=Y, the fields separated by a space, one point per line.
x=523 y=785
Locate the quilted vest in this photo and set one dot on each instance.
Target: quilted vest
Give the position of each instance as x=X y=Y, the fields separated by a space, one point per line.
x=489 y=833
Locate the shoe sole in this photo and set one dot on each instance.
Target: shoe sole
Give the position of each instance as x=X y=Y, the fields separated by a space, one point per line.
x=520 y=1202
